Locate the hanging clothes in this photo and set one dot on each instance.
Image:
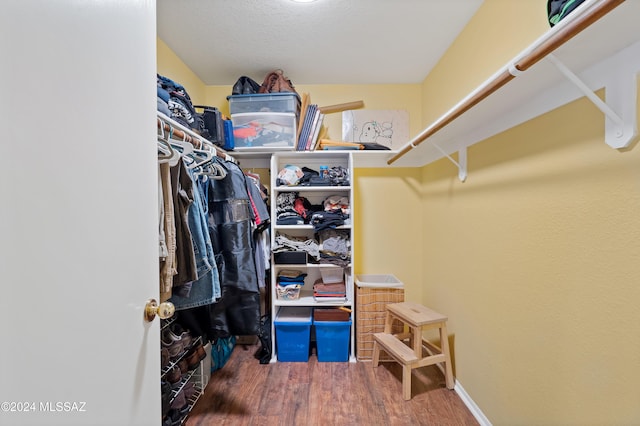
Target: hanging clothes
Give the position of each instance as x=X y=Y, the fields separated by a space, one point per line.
x=206 y=288
x=261 y=219
x=230 y=226
x=167 y=233
x=209 y=227
x=182 y=191
x=262 y=256
x=259 y=210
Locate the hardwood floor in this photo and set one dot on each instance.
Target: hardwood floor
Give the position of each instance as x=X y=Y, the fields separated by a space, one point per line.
x=245 y=392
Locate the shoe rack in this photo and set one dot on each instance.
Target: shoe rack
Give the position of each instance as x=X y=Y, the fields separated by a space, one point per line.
x=181 y=377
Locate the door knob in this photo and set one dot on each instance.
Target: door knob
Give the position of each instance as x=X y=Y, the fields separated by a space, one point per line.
x=164 y=310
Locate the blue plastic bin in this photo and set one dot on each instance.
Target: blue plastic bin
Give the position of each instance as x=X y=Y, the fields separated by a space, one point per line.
x=332 y=340
x=293 y=333
x=229 y=142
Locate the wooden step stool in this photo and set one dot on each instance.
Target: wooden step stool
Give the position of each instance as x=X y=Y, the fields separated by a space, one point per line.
x=417 y=318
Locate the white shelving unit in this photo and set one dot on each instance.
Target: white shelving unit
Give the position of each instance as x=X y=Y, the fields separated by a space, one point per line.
x=316 y=195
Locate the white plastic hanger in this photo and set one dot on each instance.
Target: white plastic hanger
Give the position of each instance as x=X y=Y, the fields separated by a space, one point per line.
x=201 y=157
x=185 y=148
x=165 y=152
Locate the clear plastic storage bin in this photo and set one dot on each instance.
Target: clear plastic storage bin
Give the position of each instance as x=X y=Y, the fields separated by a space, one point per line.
x=332 y=275
x=264 y=102
x=265 y=131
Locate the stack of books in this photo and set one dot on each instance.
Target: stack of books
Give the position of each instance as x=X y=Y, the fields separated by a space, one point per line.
x=312 y=134
x=310 y=129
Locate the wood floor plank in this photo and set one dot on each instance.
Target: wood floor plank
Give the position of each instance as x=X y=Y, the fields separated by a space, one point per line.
x=271 y=400
x=245 y=392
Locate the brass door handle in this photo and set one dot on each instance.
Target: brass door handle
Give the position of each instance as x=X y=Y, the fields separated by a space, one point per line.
x=164 y=310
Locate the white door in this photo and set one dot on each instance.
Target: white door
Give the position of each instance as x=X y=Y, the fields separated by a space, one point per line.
x=78 y=213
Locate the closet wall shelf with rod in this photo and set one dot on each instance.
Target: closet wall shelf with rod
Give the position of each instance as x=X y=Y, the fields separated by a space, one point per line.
x=597 y=46
x=181 y=133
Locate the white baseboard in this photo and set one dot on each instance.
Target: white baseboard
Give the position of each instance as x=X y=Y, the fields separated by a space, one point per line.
x=471 y=405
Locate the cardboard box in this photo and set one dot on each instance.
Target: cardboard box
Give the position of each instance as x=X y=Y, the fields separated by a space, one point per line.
x=330 y=314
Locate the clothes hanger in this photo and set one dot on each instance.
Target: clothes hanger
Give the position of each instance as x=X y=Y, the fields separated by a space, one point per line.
x=185 y=148
x=164 y=147
x=164 y=152
x=220 y=172
x=173 y=161
x=214 y=170
x=201 y=157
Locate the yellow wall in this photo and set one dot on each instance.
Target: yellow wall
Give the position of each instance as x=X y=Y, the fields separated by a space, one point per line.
x=171 y=66
x=389 y=226
x=533 y=258
x=498 y=32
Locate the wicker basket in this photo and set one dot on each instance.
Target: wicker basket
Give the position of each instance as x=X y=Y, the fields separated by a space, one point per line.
x=370 y=317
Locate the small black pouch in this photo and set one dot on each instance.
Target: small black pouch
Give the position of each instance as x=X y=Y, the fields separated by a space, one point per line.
x=245 y=86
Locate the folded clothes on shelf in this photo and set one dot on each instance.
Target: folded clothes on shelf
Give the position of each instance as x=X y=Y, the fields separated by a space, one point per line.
x=321 y=289
x=291 y=276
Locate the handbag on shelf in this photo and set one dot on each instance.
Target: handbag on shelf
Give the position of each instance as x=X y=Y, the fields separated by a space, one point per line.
x=276 y=82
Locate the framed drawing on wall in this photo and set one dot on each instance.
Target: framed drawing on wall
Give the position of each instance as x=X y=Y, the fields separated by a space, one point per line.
x=389 y=128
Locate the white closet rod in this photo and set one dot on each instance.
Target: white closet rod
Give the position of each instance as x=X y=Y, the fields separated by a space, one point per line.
x=592 y=12
x=181 y=133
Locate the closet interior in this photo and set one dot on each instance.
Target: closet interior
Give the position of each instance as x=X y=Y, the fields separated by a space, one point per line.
x=252 y=211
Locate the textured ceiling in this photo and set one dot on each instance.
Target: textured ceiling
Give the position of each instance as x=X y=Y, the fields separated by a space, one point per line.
x=323 y=42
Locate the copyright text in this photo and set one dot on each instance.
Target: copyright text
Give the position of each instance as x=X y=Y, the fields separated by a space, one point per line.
x=47 y=406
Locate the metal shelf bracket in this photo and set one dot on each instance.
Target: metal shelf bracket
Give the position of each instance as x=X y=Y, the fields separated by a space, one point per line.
x=461 y=164
x=620 y=93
